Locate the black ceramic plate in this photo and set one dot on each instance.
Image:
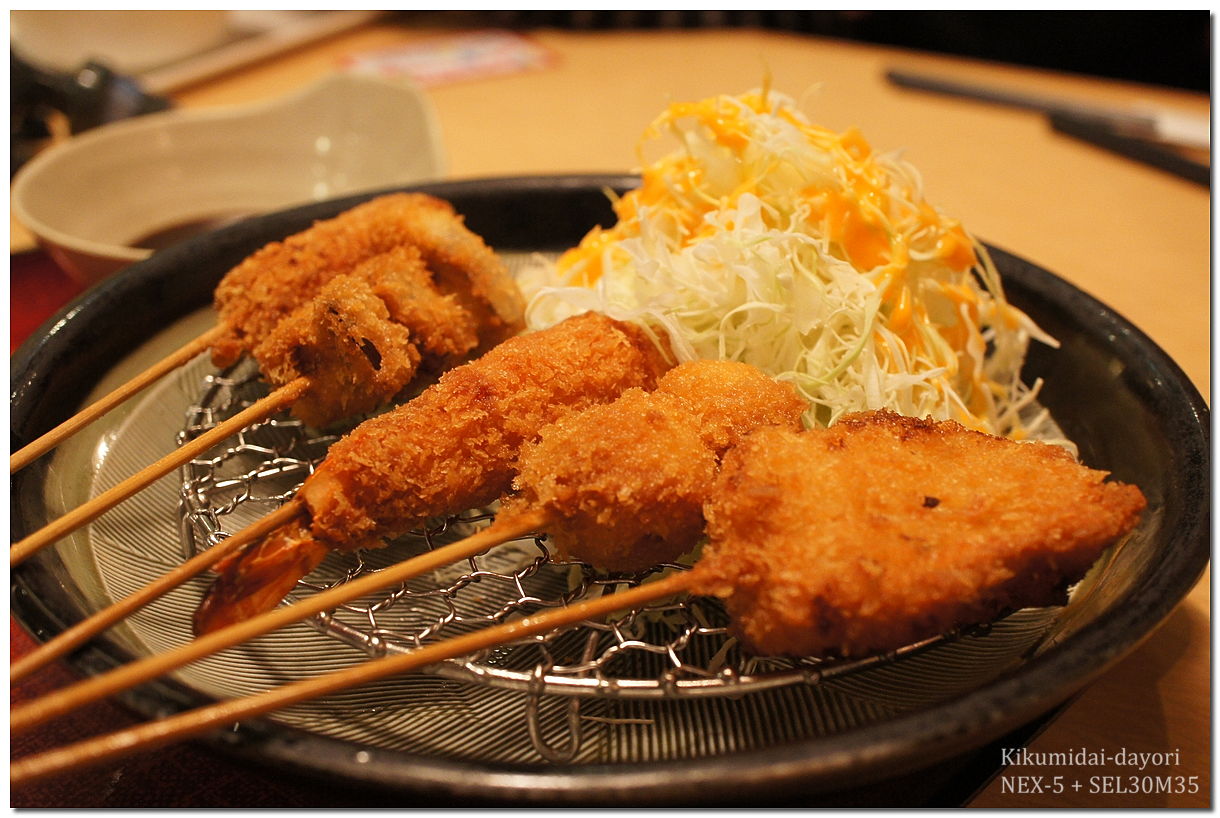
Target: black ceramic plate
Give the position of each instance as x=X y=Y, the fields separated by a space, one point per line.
x=1128 y=407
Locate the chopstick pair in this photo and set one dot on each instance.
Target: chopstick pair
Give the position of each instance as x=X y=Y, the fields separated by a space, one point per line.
x=192 y=723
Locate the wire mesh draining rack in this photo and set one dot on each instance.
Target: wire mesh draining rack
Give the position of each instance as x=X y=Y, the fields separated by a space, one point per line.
x=677 y=647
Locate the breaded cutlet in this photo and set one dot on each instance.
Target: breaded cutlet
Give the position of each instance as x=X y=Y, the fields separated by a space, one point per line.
x=884 y=530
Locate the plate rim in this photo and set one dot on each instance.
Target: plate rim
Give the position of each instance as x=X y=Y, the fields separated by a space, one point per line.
x=818 y=763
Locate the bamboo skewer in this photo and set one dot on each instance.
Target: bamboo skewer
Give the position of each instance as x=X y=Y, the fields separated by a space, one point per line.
x=83 y=631
x=69 y=698
x=191 y=723
x=32 y=451
x=94 y=508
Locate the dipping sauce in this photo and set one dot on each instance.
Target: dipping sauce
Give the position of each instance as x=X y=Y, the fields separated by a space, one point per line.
x=174 y=233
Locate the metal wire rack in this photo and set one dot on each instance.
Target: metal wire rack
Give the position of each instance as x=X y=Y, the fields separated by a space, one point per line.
x=590 y=690
x=677 y=647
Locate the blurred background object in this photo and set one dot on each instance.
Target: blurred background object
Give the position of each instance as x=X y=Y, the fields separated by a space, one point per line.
x=1170 y=48
x=43 y=102
x=164 y=178
x=157 y=52
x=74 y=70
x=167 y=49
x=127 y=41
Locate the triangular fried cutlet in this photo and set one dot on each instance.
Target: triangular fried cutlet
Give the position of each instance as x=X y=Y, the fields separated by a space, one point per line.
x=884 y=530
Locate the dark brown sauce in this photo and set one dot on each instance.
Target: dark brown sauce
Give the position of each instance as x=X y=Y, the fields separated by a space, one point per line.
x=166 y=236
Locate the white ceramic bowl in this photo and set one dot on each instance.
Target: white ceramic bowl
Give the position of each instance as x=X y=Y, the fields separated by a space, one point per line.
x=94 y=201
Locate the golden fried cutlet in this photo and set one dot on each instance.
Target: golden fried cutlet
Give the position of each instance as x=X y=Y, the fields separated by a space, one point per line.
x=265 y=288
x=884 y=530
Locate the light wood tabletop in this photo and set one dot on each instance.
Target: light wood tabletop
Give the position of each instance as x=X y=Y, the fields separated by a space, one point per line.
x=1135 y=237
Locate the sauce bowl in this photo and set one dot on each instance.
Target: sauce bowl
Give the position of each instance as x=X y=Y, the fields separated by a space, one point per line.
x=113 y=195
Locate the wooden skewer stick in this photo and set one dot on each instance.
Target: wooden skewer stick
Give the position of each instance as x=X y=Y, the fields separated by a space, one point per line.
x=69 y=698
x=32 y=451
x=81 y=632
x=92 y=509
x=193 y=722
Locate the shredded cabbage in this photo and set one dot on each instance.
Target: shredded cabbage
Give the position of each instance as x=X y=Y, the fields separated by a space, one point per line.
x=769 y=240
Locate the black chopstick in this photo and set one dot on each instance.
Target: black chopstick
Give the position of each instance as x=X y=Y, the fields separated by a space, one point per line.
x=1133 y=122
x=1104 y=136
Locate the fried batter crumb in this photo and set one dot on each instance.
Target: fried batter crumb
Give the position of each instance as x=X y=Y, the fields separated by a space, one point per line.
x=355 y=357
x=364 y=337
x=732 y=399
x=623 y=484
x=271 y=283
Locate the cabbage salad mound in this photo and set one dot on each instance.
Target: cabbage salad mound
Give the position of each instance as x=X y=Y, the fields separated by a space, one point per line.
x=766 y=239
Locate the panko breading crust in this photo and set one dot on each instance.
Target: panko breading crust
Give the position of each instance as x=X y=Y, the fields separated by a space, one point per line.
x=364 y=337
x=623 y=484
x=267 y=286
x=455 y=446
x=355 y=357
x=732 y=399
x=452 y=448
x=885 y=530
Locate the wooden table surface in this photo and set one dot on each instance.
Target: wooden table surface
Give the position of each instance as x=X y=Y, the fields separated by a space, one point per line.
x=1134 y=237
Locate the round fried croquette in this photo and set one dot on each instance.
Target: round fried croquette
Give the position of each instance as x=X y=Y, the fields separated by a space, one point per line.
x=623 y=484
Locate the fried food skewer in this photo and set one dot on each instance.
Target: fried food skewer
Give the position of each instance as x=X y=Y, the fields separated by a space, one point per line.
x=359 y=342
x=883 y=530
x=665 y=443
x=1099 y=512
x=266 y=288
x=452 y=448
x=586 y=359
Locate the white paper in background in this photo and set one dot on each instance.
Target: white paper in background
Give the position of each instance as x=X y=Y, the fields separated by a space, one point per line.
x=455 y=58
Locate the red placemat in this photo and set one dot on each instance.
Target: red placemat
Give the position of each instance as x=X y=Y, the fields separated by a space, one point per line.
x=37 y=290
